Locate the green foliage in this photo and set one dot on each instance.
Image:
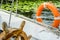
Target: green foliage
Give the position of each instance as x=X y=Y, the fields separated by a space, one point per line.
x=27 y=6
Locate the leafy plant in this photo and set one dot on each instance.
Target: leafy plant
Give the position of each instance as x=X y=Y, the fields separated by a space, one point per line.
x=27 y=7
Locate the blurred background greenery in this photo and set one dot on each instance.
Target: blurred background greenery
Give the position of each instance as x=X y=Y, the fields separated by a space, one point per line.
x=26 y=7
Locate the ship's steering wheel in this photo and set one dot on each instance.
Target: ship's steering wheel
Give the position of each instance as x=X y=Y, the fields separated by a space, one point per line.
x=17 y=33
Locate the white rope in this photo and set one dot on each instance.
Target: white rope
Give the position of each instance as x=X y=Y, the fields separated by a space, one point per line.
x=40 y=17
x=11 y=12
x=56 y=18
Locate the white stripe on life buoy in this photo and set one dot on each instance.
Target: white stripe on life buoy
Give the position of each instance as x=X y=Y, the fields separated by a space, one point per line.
x=57 y=18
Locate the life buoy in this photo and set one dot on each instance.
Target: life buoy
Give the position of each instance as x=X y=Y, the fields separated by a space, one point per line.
x=54 y=11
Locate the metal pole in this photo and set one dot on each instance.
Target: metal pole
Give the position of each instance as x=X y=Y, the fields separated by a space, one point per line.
x=1 y=4
x=16 y=7
x=11 y=12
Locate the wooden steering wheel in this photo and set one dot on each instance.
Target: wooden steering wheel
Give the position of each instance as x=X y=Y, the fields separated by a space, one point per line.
x=17 y=33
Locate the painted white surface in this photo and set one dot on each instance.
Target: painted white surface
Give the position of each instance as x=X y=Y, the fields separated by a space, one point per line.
x=30 y=28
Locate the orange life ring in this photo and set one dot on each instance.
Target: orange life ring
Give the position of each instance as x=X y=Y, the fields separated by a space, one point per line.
x=54 y=11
